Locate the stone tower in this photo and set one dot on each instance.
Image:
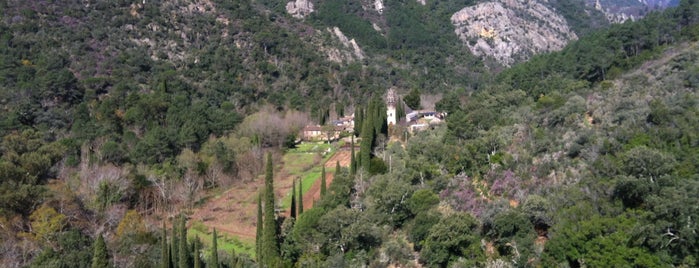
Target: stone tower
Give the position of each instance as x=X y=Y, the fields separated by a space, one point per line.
x=391 y=107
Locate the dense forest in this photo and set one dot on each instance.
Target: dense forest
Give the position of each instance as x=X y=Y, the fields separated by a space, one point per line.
x=121 y=118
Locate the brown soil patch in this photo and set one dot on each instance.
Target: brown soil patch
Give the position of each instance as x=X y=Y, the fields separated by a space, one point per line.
x=313 y=194
x=344 y=156
x=235 y=211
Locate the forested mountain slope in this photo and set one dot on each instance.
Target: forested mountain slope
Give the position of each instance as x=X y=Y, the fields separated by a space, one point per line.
x=561 y=163
x=119 y=115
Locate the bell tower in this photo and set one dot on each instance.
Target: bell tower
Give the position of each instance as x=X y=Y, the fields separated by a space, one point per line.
x=391 y=107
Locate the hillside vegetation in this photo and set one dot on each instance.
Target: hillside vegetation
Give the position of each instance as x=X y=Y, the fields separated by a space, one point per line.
x=121 y=118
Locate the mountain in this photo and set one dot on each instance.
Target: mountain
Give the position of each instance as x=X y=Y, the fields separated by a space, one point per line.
x=119 y=115
x=511 y=31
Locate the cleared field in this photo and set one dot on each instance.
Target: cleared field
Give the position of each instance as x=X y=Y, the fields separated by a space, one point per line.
x=234 y=212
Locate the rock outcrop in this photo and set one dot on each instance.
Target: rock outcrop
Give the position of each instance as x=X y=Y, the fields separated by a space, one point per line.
x=299 y=9
x=346 y=51
x=511 y=30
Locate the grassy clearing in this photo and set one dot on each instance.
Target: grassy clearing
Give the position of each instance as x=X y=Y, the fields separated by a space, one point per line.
x=308 y=179
x=298 y=163
x=305 y=161
x=224 y=242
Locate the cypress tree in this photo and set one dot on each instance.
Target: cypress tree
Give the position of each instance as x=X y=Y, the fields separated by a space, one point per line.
x=270 y=250
x=337 y=169
x=100 y=256
x=183 y=252
x=358 y=121
x=174 y=245
x=165 y=253
x=259 y=230
x=380 y=118
x=293 y=200
x=197 y=261
x=170 y=257
x=353 y=161
x=365 y=146
x=400 y=110
x=170 y=260
x=376 y=115
x=300 y=197
x=323 y=185
x=213 y=262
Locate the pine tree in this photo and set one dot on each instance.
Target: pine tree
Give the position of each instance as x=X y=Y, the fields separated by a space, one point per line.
x=183 y=252
x=323 y=186
x=293 y=200
x=100 y=258
x=353 y=161
x=213 y=262
x=270 y=249
x=259 y=230
x=300 y=197
x=165 y=254
x=197 y=261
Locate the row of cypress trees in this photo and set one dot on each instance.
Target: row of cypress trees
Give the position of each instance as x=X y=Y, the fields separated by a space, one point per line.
x=177 y=252
x=373 y=123
x=266 y=246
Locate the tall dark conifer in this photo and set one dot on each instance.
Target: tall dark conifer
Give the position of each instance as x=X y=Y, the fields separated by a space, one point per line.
x=164 y=253
x=367 y=140
x=323 y=185
x=292 y=214
x=213 y=262
x=358 y=121
x=258 y=231
x=353 y=160
x=174 y=245
x=270 y=249
x=337 y=169
x=400 y=110
x=183 y=249
x=300 y=197
x=196 y=259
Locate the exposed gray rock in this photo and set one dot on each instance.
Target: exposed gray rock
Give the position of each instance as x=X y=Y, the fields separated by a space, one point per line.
x=511 y=30
x=299 y=9
x=347 y=51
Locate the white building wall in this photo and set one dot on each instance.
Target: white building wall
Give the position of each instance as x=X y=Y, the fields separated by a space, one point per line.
x=391 y=115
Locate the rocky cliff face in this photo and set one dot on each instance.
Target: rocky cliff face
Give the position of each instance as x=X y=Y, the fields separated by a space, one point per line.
x=511 y=30
x=343 y=50
x=299 y=8
x=618 y=11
